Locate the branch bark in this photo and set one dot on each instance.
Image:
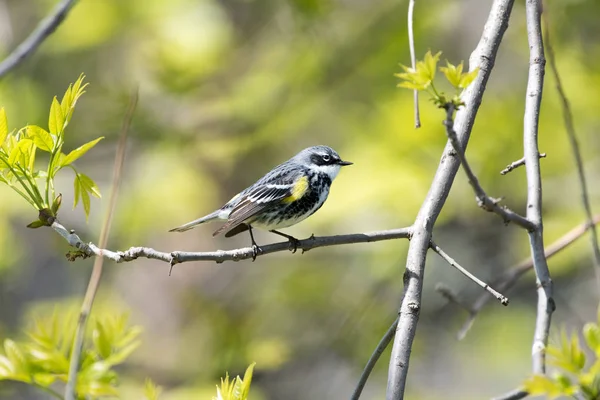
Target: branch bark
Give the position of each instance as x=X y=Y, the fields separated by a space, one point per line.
x=483 y=57
x=572 y=135
x=535 y=85
x=89 y=249
x=44 y=29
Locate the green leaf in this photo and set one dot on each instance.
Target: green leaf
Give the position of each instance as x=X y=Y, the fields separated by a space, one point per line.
x=101 y=341
x=6 y=368
x=467 y=78
x=21 y=153
x=78 y=152
x=71 y=96
x=36 y=224
x=56 y=121
x=16 y=357
x=42 y=139
x=89 y=185
x=543 y=385
x=151 y=390
x=124 y=353
x=453 y=73
x=56 y=204
x=247 y=381
x=429 y=65
x=591 y=333
x=3 y=125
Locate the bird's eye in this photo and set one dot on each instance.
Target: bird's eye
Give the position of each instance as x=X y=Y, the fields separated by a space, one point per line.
x=326 y=157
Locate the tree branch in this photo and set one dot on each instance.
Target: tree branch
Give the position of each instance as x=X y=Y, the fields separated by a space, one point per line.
x=94 y=282
x=501 y=298
x=535 y=84
x=572 y=135
x=220 y=256
x=383 y=344
x=483 y=200
x=514 y=273
x=517 y=164
x=413 y=58
x=44 y=29
x=515 y=394
x=483 y=57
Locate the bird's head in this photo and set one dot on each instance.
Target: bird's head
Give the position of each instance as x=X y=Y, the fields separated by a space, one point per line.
x=322 y=159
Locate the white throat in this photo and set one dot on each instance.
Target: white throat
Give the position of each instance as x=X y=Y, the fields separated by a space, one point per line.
x=331 y=170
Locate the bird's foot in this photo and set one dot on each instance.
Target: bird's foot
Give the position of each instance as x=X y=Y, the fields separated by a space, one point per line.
x=294 y=243
x=256 y=250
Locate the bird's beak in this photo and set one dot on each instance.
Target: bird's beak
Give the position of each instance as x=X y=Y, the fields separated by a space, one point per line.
x=344 y=163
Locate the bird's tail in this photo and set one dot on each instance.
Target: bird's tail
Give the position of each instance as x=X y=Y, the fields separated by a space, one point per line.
x=192 y=224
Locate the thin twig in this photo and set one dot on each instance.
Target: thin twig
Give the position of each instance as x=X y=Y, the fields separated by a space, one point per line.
x=572 y=135
x=501 y=298
x=483 y=58
x=483 y=200
x=383 y=344
x=413 y=58
x=533 y=99
x=517 y=164
x=516 y=394
x=514 y=273
x=44 y=29
x=89 y=249
x=90 y=294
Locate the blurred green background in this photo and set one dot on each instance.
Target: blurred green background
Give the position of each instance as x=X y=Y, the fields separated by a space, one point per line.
x=228 y=89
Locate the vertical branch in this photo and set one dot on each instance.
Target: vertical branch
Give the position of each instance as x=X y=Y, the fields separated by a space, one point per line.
x=533 y=100
x=41 y=32
x=572 y=135
x=413 y=58
x=483 y=57
x=90 y=294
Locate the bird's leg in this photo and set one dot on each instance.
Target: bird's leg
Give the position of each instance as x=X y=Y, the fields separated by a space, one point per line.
x=255 y=249
x=294 y=243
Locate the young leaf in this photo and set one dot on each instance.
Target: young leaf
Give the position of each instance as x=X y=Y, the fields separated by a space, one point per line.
x=247 y=381
x=429 y=64
x=16 y=357
x=56 y=120
x=543 y=385
x=36 y=224
x=42 y=139
x=453 y=73
x=151 y=390
x=3 y=125
x=71 y=96
x=467 y=78
x=101 y=341
x=89 y=185
x=21 y=153
x=78 y=152
x=56 y=204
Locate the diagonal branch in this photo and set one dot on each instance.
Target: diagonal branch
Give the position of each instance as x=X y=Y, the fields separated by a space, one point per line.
x=517 y=164
x=514 y=273
x=383 y=344
x=501 y=298
x=572 y=135
x=45 y=28
x=483 y=57
x=483 y=200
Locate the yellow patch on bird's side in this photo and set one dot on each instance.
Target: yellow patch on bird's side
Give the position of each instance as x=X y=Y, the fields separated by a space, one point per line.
x=299 y=189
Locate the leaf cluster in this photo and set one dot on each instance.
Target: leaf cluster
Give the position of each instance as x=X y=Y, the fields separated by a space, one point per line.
x=569 y=356
x=237 y=388
x=43 y=360
x=18 y=150
x=423 y=75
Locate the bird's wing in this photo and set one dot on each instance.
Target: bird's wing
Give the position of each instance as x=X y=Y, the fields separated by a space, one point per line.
x=262 y=196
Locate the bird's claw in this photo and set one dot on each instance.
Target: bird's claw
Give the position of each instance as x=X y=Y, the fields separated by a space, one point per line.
x=255 y=251
x=294 y=243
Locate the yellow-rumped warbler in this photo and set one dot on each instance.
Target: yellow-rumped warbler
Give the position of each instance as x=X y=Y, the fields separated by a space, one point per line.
x=288 y=194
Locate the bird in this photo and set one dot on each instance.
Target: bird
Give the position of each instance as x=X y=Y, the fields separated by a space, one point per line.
x=285 y=196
